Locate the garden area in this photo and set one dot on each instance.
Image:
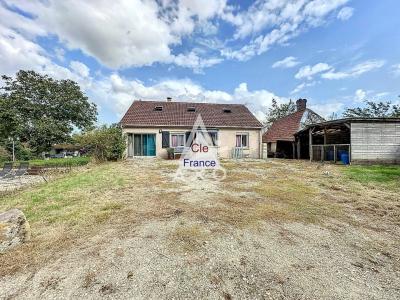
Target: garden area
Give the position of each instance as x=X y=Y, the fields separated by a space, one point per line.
x=127 y=229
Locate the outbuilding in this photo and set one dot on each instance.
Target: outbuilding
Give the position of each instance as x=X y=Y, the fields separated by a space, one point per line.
x=355 y=140
x=279 y=139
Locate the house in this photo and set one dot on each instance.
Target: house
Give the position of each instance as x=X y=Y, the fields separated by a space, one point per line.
x=154 y=126
x=360 y=140
x=280 y=137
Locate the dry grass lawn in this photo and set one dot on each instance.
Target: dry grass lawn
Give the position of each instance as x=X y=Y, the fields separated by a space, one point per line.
x=270 y=230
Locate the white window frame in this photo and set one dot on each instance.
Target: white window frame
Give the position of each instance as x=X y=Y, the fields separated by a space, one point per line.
x=241 y=134
x=178 y=134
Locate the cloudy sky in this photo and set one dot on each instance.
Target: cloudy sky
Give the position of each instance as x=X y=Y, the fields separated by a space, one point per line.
x=335 y=53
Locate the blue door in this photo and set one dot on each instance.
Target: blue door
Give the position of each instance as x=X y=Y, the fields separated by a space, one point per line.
x=144 y=144
x=151 y=145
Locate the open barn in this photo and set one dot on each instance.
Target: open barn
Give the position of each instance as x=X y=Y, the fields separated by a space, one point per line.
x=279 y=139
x=355 y=140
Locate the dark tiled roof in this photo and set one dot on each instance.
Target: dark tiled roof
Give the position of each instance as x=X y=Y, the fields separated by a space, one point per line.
x=284 y=129
x=143 y=114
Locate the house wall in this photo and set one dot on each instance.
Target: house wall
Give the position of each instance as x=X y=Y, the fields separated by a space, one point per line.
x=375 y=142
x=160 y=152
x=226 y=140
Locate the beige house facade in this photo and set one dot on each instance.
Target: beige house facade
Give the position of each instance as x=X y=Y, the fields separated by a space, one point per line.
x=153 y=127
x=226 y=140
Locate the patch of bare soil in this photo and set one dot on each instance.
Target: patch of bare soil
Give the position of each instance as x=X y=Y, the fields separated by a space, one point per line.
x=270 y=230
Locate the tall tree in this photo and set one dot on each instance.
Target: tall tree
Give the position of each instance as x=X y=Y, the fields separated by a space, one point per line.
x=42 y=111
x=374 y=110
x=277 y=111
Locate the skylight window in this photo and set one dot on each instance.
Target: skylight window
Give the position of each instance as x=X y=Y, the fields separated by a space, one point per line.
x=191 y=109
x=158 y=108
x=227 y=110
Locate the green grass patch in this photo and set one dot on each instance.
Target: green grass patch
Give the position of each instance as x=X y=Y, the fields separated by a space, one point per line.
x=374 y=174
x=57 y=162
x=71 y=199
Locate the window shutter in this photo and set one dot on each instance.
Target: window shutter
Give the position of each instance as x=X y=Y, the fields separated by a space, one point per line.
x=165 y=139
x=187 y=142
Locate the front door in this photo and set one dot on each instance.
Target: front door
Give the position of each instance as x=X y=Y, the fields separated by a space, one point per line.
x=144 y=145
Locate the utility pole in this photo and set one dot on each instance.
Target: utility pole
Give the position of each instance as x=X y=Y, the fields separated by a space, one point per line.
x=13 y=150
x=13 y=147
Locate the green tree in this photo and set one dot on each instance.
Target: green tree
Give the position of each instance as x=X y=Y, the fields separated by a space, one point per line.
x=374 y=110
x=277 y=111
x=42 y=111
x=103 y=143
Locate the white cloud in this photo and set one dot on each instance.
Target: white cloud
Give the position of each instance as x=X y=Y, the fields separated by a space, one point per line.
x=19 y=53
x=126 y=33
x=26 y=26
x=326 y=109
x=396 y=69
x=359 y=95
x=80 y=68
x=261 y=44
x=355 y=71
x=192 y=60
x=60 y=54
x=119 y=34
x=133 y=33
x=301 y=87
x=298 y=88
x=287 y=62
x=345 y=13
x=308 y=71
x=320 y=8
x=116 y=93
x=283 y=20
x=382 y=94
x=204 y=12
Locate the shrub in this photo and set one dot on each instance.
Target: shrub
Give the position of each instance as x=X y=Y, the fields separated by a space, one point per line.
x=58 y=162
x=170 y=152
x=103 y=143
x=22 y=150
x=4 y=154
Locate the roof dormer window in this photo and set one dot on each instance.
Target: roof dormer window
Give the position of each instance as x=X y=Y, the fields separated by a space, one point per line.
x=158 y=108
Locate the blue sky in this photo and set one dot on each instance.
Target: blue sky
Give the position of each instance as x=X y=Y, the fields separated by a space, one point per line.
x=335 y=53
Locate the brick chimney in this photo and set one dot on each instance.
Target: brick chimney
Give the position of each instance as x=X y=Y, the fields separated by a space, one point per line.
x=301 y=104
